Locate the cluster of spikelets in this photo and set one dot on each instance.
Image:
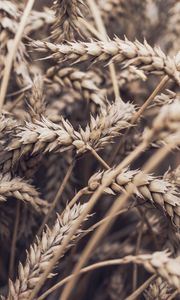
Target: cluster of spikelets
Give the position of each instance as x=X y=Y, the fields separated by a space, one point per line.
x=89 y=149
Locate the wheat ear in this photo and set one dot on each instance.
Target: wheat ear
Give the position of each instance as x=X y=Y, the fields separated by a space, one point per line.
x=77 y=80
x=44 y=136
x=151 y=60
x=158 y=191
x=21 y=190
x=41 y=253
x=66 y=18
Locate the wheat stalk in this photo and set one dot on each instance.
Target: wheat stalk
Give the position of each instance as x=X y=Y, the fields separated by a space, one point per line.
x=158 y=262
x=42 y=251
x=151 y=60
x=9 y=21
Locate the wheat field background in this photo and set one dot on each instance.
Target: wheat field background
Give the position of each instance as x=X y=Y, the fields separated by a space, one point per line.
x=89 y=149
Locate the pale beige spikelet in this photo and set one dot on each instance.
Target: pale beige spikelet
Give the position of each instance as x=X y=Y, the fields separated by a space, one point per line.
x=142 y=55
x=174 y=176
x=36 y=99
x=158 y=290
x=39 y=20
x=42 y=251
x=166 y=98
x=161 y=264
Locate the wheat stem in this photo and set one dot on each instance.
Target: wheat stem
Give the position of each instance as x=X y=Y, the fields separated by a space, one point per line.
x=14 y=238
x=139 y=113
x=13 y=50
x=139 y=291
x=138 y=244
x=57 y=197
x=138 y=259
x=100 y=25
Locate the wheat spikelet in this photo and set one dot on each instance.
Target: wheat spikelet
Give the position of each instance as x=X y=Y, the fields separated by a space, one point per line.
x=111 y=8
x=42 y=252
x=174 y=176
x=57 y=130
x=66 y=18
x=162 y=264
x=36 y=99
x=129 y=75
x=6 y=124
x=166 y=98
x=39 y=20
x=159 y=192
x=46 y=136
x=78 y=80
x=159 y=289
x=149 y=59
x=21 y=190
